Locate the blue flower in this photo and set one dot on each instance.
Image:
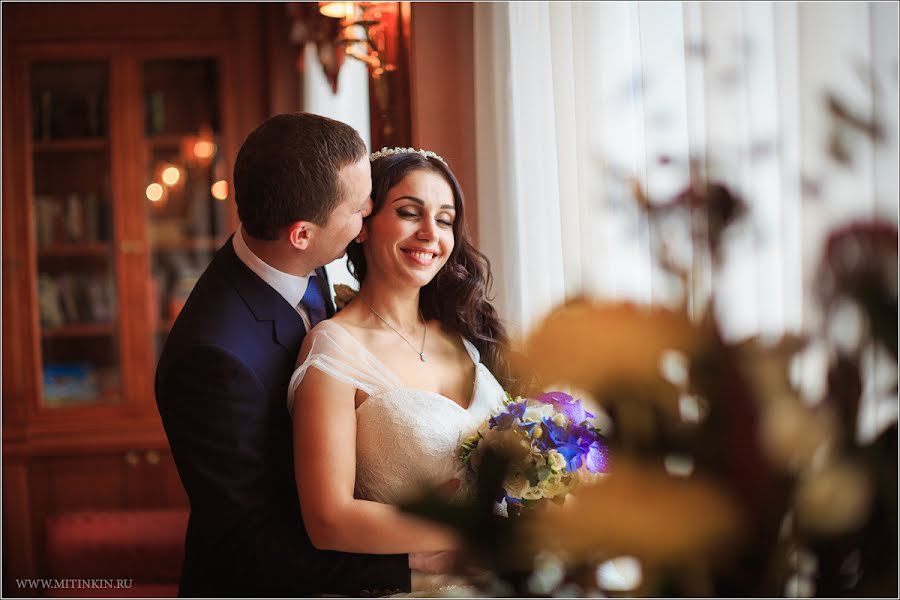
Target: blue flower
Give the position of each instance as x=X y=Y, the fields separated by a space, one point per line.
x=564 y=440
x=508 y=417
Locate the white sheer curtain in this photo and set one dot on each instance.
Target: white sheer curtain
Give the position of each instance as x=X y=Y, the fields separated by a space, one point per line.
x=573 y=97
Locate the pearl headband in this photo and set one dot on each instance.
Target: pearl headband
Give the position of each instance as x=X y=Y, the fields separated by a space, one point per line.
x=392 y=151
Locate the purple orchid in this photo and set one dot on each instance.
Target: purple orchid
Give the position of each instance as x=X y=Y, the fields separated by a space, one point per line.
x=594 y=447
x=566 y=405
x=597 y=459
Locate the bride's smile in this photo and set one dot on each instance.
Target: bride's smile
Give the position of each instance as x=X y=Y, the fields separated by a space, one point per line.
x=420 y=256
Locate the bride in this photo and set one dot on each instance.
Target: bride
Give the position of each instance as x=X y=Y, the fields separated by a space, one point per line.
x=386 y=391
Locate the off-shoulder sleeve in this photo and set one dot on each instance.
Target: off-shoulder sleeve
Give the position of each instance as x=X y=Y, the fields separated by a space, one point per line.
x=334 y=351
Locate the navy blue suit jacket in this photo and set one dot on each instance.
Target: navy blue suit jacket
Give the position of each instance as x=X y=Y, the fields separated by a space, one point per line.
x=221 y=390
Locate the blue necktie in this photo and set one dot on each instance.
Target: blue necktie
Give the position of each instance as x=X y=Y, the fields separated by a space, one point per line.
x=314 y=302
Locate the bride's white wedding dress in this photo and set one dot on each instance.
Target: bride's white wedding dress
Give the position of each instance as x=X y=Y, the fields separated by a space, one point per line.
x=406 y=438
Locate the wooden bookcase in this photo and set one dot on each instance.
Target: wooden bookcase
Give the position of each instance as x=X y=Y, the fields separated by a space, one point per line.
x=101 y=244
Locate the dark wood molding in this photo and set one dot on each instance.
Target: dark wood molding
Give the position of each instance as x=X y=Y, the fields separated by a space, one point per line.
x=281 y=61
x=389 y=94
x=48 y=21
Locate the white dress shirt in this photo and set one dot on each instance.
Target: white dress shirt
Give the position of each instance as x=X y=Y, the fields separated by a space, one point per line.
x=291 y=287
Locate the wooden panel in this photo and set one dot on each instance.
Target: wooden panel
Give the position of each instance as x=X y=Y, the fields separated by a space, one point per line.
x=14 y=266
x=67 y=483
x=17 y=536
x=126 y=123
x=135 y=478
x=61 y=484
x=80 y=432
x=389 y=95
x=442 y=68
x=58 y=21
x=155 y=484
x=107 y=457
x=280 y=59
x=250 y=70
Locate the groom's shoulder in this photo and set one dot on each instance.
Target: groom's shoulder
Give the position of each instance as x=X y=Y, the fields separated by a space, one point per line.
x=214 y=313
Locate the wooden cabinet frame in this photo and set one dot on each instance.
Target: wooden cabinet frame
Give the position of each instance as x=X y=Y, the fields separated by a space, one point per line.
x=47 y=449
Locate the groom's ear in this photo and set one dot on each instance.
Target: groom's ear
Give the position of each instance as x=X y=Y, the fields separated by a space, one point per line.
x=300 y=234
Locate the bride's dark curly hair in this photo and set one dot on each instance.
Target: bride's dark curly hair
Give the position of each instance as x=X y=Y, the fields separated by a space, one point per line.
x=458 y=294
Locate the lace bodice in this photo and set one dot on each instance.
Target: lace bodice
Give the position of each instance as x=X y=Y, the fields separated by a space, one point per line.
x=405 y=437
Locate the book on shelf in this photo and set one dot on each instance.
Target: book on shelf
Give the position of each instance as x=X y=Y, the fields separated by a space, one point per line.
x=48 y=217
x=70 y=382
x=66 y=299
x=91 y=217
x=49 y=305
x=99 y=292
x=63 y=114
x=155 y=103
x=73 y=218
x=70 y=307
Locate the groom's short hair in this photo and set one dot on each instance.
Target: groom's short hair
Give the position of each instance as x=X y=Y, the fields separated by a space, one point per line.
x=287 y=171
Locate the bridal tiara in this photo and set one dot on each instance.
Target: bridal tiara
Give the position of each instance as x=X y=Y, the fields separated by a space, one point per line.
x=392 y=151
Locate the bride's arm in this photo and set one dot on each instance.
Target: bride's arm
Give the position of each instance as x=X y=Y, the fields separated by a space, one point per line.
x=324 y=417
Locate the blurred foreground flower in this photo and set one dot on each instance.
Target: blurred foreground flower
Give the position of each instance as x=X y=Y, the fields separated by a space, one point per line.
x=614 y=352
x=591 y=345
x=860 y=263
x=667 y=523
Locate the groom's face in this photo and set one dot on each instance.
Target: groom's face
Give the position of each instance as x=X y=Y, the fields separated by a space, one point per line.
x=346 y=219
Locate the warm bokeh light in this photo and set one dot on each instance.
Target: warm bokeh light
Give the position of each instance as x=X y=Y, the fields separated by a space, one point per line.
x=337 y=10
x=204 y=149
x=219 y=189
x=171 y=175
x=154 y=192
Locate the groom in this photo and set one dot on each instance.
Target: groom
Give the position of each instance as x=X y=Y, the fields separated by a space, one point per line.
x=302 y=185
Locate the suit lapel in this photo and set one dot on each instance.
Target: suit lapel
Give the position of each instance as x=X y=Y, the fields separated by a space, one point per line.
x=289 y=327
x=264 y=302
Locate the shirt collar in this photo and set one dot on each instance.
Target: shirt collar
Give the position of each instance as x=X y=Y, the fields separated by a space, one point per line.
x=290 y=287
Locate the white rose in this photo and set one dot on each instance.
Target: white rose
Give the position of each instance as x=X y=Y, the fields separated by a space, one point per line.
x=516 y=485
x=532 y=493
x=537 y=412
x=554 y=486
x=556 y=461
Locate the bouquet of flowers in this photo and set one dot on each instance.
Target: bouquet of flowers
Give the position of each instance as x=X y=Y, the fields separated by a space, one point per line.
x=552 y=446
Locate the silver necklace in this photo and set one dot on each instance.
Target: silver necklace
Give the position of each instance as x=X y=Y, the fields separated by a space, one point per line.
x=421 y=352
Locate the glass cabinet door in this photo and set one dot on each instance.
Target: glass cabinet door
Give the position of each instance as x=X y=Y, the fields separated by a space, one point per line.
x=72 y=217
x=186 y=185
